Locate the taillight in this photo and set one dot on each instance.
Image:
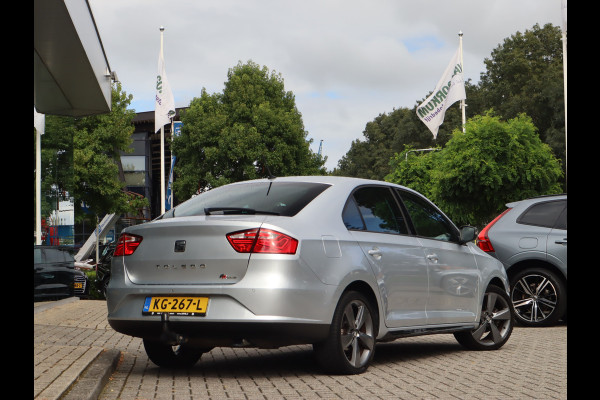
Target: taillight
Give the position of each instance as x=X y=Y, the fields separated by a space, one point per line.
x=262 y=241
x=483 y=241
x=127 y=244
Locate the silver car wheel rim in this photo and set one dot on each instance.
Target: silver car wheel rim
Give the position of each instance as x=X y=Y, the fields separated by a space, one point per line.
x=495 y=320
x=357 y=333
x=534 y=298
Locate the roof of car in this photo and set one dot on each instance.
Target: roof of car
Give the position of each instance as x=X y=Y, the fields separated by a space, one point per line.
x=329 y=179
x=536 y=199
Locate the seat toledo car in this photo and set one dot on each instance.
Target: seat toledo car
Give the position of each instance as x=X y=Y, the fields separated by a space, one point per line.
x=339 y=263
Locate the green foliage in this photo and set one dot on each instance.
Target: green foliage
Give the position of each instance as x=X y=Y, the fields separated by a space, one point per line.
x=413 y=169
x=82 y=156
x=391 y=133
x=98 y=141
x=479 y=171
x=525 y=75
x=253 y=127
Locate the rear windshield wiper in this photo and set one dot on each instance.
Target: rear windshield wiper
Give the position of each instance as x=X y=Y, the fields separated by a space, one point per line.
x=234 y=211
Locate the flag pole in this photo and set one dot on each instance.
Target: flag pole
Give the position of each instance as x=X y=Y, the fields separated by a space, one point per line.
x=162 y=146
x=39 y=126
x=462 y=102
x=564 y=45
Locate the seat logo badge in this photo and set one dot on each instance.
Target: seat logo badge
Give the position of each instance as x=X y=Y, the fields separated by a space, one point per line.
x=179 y=246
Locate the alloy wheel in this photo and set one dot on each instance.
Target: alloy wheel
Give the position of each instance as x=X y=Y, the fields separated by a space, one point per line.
x=495 y=324
x=356 y=332
x=534 y=298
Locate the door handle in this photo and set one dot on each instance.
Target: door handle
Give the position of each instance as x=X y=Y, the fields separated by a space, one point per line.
x=432 y=257
x=564 y=241
x=375 y=252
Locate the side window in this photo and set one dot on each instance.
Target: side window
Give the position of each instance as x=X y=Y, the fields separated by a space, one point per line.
x=427 y=220
x=561 y=222
x=542 y=214
x=373 y=208
x=351 y=216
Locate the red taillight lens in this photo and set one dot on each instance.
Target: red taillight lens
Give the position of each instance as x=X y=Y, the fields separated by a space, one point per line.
x=127 y=244
x=483 y=241
x=262 y=241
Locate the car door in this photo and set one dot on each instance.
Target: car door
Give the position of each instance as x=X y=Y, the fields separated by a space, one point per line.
x=374 y=219
x=453 y=274
x=557 y=241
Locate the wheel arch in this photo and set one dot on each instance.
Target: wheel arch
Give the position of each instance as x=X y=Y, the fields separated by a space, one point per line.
x=533 y=263
x=496 y=281
x=365 y=289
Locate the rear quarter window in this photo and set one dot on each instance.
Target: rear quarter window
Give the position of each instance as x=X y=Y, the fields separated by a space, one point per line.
x=542 y=214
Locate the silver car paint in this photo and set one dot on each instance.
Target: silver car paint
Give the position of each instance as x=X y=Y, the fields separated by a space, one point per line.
x=305 y=287
x=520 y=242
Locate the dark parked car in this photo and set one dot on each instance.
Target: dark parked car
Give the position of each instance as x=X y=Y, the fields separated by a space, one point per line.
x=55 y=276
x=339 y=263
x=530 y=238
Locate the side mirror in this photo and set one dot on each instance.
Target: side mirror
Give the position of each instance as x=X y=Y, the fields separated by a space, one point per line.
x=467 y=233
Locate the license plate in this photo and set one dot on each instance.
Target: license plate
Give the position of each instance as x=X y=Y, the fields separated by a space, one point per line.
x=78 y=285
x=193 y=306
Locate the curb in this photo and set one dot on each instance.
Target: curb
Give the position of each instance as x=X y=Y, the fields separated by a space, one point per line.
x=92 y=381
x=51 y=304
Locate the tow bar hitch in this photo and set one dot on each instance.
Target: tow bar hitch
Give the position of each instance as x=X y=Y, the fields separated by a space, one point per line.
x=167 y=335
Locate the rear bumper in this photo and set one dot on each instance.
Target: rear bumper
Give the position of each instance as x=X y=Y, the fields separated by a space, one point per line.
x=227 y=334
x=275 y=304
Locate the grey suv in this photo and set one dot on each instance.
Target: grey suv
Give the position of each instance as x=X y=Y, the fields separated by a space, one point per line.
x=530 y=238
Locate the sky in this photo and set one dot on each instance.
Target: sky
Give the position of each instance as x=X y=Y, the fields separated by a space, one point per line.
x=345 y=61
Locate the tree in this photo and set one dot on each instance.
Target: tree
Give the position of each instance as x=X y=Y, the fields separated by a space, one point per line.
x=393 y=133
x=251 y=130
x=81 y=156
x=525 y=75
x=97 y=172
x=413 y=169
x=479 y=171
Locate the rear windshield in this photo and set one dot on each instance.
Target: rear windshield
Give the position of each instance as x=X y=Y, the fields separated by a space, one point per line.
x=273 y=198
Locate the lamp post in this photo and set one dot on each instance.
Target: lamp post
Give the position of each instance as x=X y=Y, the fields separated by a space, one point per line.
x=429 y=149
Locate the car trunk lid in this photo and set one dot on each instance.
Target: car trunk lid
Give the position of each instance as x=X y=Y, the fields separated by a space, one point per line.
x=189 y=250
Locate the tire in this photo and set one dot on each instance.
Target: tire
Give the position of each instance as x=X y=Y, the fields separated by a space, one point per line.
x=538 y=297
x=167 y=356
x=495 y=324
x=350 y=345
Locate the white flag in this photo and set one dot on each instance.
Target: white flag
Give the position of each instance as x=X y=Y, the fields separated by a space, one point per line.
x=39 y=121
x=164 y=107
x=449 y=89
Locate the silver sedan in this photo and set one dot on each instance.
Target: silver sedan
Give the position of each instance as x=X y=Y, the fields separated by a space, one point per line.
x=340 y=263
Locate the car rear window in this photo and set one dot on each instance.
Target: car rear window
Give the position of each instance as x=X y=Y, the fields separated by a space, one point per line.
x=276 y=198
x=56 y=256
x=542 y=214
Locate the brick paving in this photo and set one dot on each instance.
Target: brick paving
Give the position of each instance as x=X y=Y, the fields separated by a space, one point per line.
x=532 y=365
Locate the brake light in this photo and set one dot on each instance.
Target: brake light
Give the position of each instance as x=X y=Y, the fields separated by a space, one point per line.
x=259 y=240
x=127 y=244
x=483 y=241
